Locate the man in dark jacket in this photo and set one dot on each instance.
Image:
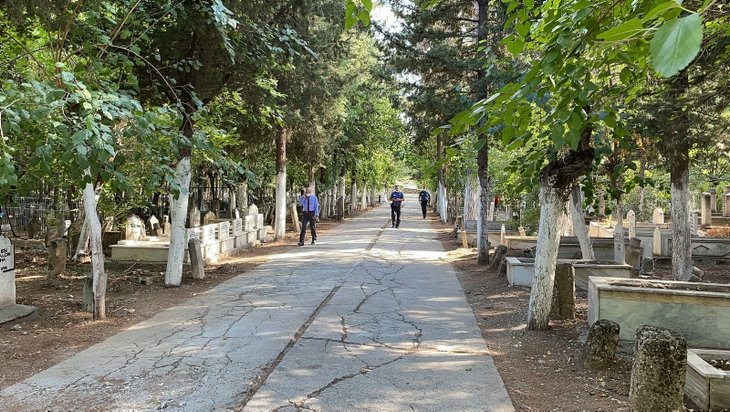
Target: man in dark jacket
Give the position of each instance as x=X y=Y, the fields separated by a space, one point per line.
x=424 y=197
x=396 y=199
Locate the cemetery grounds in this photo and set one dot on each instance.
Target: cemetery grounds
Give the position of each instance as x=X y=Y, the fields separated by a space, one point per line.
x=541 y=369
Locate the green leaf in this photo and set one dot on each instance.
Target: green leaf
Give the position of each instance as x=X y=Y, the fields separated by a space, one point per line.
x=623 y=31
x=364 y=17
x=658 y=10
x=515 y=44
x=676 y=44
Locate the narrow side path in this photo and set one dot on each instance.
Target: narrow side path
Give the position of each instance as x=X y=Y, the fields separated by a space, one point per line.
x=370 y=318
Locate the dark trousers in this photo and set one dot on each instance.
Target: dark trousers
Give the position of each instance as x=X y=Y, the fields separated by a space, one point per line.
x=308 y=218
x=424 y=205
x=395 y=214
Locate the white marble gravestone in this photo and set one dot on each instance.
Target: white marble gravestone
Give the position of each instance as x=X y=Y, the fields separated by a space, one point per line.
x=224 y=229
x=249 y=223
x=7 y=272
x=259 y=221
x=658 y=215
x=135 y=228
x=237 y=227
x=631 y=218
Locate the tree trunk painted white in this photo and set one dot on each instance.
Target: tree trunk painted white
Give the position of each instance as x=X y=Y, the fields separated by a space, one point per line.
x=580 y=230
x=471 y=196
x=242 y=196
x=82 y=246
x=353 y=196
x=178 y=238
x=619 y=252
x=681 y=228
x=97 y=252
x=546 y=255
x=341 y=198
x=280 y=205
x=364 y=199
x=372 y=196
x=442 y=202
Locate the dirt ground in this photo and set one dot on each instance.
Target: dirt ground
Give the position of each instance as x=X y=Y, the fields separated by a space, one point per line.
x=542 y=370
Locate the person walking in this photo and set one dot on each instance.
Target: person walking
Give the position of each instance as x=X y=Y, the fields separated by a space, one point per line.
x=396 y=199
x=310 y=214
x=424 y=197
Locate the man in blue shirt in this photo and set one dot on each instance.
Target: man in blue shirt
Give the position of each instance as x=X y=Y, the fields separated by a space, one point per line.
x=310 y=214
x=396 y=199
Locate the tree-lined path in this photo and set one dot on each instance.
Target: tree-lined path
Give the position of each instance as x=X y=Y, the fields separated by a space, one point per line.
x=370 y=318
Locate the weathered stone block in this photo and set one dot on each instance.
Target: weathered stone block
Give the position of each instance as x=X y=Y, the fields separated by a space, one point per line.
x=600 y=348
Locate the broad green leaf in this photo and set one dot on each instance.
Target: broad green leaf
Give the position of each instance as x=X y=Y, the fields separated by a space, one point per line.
x=364 y=17
x=676 y=44
x=514 y=44
x=658 y=10
x=623 y=31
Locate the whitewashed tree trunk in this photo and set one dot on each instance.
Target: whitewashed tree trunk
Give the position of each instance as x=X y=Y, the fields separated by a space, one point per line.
x=353 y=196
x=83 y=244
x=442 y=202
x=681 y=228
x=619 y=252
x=548 y=240
x=97 y=252
x=280 y=202
x=364 y=199
x=341 y=198
x=242 y=196
x=178 y=238
x=471 y=196
x=575 y=210
x=372 y=196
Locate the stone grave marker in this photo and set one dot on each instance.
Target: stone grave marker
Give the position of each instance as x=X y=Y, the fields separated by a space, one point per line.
x=726 y=209
x=154 y=223
x=522 y=231
x=237 y=227
x=209 y=217
x=166 y=226
x=259 y=221
x=706 y=210
x=7 y=272
x=135 y=228
x=224 y=229
x=658 y=215
x=713 y=200
x=503 y=235
x=194 y=216
x=248 y=223
x=208 y=234
x=657 y=243
x=693 y=223
x=631 y=218
x=253 y=210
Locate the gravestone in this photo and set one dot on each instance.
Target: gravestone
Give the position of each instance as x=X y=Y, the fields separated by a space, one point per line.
x=713 y=200
x=236 y=214
x=166 y=226
x=503 y=235
x=259 y=221
x=207 y=235
x=658 y=215
x=224 y=229
x=248 y=223
x=522 y=231
x=194 y=216
x=659 y=370
x=633 y=253
x=563 y=305
x=34 y=228
x=7 y=272
x=470 y=225
x=209 y=217
x=253 y=210
x=726 y=209
x=154 y=223
x=57 y=253
x=705 y=210
x=197 y=263
x=134 y=229
x=657 y=241
x=600 y=349
x=237 y=227
x=693 y=227
x=631 y=218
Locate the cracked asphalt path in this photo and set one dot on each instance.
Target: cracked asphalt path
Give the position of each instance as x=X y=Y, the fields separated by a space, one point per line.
x=370 y=318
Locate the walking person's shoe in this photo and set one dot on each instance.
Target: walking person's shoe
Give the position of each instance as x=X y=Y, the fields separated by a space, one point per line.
x=300 y=243
x=313 y=242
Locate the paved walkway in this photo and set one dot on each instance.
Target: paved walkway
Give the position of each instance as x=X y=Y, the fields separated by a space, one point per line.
x=370 y=318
